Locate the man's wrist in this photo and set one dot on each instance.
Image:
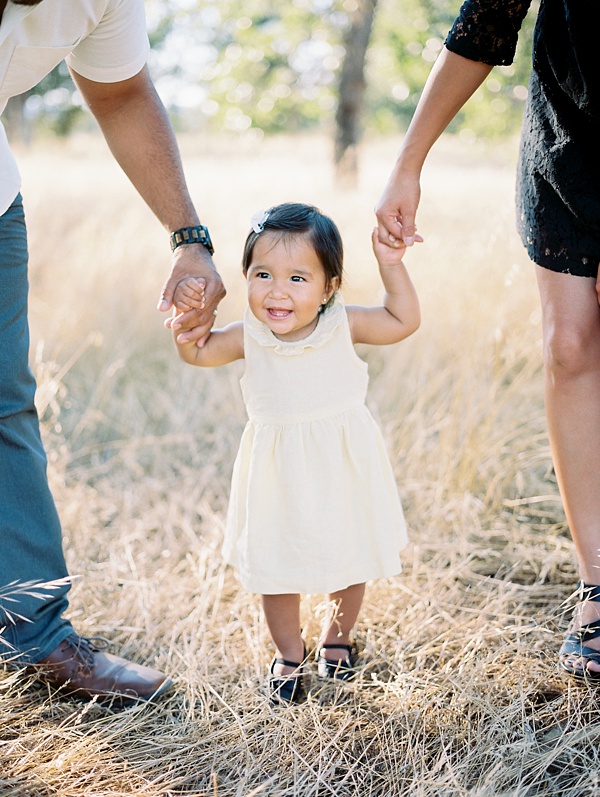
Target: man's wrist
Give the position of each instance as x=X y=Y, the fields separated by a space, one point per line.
x=197 y=234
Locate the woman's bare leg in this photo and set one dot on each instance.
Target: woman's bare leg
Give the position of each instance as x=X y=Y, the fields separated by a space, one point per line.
x=282 y=613
x=571 y=327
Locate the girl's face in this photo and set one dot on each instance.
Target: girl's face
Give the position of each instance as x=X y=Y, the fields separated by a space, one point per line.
x=287 y=285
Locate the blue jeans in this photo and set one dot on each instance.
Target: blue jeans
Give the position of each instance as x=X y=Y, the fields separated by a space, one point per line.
x=31 y=626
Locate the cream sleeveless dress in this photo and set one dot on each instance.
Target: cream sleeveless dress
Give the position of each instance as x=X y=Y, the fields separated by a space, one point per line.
x=314 y=507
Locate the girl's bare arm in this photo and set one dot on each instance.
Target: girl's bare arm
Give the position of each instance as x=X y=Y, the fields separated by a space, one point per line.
x=222 y=346
x=399 y=316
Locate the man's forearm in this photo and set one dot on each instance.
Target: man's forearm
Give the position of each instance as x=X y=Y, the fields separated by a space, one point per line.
x=138 y=131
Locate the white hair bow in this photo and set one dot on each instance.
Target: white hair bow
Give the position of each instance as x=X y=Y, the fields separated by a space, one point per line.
x=258 y=220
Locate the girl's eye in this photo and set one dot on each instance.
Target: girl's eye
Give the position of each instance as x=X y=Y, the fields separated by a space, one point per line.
x=296 y=278
x=262 y=275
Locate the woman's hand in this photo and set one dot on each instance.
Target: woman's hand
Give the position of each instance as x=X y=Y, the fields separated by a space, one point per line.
x=397 y=209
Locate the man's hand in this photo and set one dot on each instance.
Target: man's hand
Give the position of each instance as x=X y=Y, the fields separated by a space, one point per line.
x=397 y=209
x=195 y=289
x=138 y=131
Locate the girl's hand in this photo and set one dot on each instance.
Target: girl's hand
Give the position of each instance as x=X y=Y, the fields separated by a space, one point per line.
x=389 y=255
x=189 y=295
x=194 y=289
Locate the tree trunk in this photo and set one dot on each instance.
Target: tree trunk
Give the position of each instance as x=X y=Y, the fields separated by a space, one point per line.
x=351 y=91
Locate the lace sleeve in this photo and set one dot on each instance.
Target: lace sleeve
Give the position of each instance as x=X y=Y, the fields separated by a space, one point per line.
x=487 y=30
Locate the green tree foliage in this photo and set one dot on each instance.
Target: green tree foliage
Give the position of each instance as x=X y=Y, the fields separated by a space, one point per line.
x=275 y=67
x=53 y=104
x=407 y=38
x=256 y=65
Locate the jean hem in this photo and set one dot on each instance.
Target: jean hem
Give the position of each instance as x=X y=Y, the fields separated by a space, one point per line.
x=17 y=658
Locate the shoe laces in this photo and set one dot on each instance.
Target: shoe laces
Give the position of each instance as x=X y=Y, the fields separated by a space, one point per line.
x=84 y=647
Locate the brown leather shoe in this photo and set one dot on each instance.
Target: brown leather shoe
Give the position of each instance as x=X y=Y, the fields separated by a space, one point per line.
x=80 y=667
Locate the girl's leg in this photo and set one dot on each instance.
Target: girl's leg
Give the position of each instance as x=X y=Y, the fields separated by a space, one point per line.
x=345 y=606
x=571 y=328
x=282 y=613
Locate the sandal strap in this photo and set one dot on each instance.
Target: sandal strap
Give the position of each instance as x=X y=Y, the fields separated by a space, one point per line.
x=296 y=664
x=588 y=592
x=570 y=648
x=286 y=663
x=573 y=644
x=587 y=631
x=349 y=648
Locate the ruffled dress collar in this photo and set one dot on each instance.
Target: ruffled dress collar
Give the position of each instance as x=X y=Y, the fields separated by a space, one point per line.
x=329 y=321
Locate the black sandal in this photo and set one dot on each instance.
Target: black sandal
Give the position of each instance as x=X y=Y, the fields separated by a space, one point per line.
x=340 y=670
x=574 y=643
x=287 y=689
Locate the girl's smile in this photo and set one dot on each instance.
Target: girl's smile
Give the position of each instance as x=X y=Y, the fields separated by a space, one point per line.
x=287 y=285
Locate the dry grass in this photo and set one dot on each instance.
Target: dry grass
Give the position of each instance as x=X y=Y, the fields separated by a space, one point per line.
x=460 y=694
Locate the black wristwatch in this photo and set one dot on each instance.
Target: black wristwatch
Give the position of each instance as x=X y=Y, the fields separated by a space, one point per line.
x=192 y=235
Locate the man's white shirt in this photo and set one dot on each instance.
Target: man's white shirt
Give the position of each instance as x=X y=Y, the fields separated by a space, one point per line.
x=102 y=40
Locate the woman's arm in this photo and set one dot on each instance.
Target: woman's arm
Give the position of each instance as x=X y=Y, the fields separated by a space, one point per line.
x=400 y=315
x=451 y=82
x=484 y=34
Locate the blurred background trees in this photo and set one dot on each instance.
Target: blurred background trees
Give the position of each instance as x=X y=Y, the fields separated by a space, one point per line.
x=256 y=67
x=351 y=89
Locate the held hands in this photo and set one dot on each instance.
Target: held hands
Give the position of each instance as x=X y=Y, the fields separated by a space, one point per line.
x=389 y=255
x=189 y=299
x=194 y=289
x=397 y=208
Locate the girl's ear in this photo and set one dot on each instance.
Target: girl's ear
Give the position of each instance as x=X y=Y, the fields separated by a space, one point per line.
x=331 y=288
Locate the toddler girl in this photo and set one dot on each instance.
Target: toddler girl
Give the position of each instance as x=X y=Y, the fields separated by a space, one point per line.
x=314 y=507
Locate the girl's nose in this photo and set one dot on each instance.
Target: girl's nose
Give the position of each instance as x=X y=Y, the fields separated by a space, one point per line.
x=278 y=289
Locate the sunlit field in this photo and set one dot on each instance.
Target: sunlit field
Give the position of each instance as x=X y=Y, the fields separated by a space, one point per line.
x=459 y=693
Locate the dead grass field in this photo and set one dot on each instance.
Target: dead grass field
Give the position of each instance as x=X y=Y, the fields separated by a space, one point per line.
x=460 y=693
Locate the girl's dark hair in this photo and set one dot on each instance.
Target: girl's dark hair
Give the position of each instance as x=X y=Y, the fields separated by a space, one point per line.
x=295 y=218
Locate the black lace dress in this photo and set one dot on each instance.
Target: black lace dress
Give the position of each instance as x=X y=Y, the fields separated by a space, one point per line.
x=558 y=187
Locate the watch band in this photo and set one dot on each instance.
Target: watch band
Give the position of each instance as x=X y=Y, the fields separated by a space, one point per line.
x=192 y=235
